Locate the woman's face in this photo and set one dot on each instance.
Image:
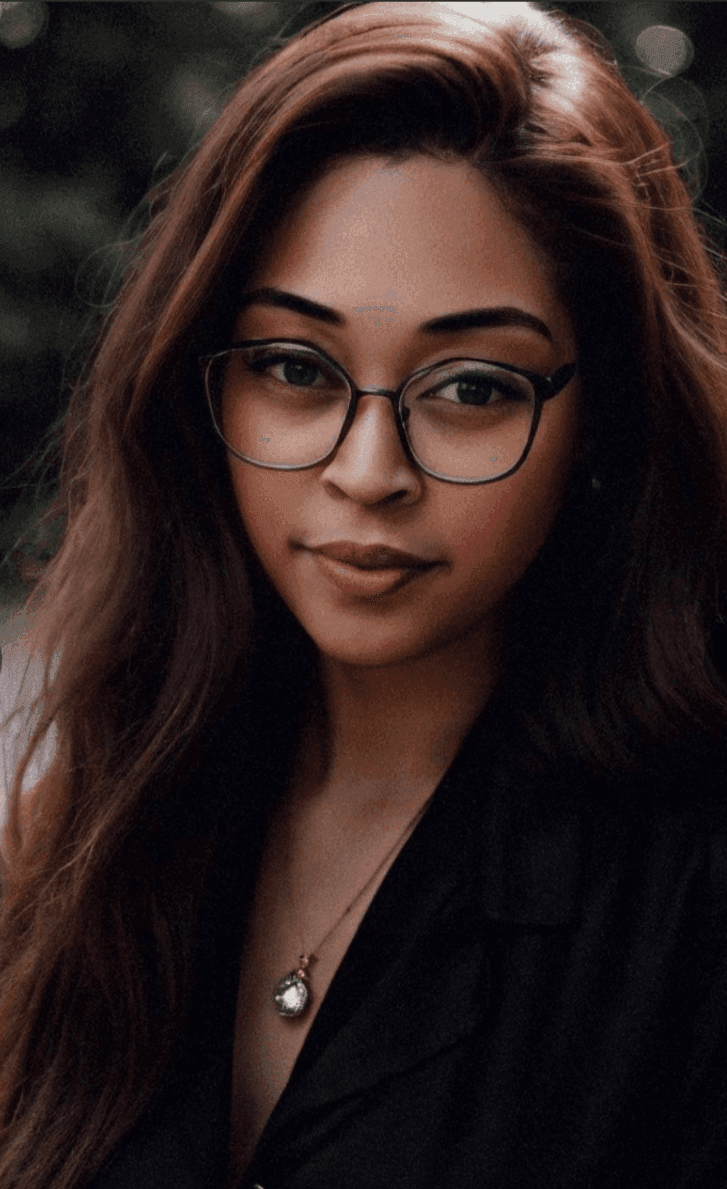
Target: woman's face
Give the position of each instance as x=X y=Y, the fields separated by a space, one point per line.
x=389 y=248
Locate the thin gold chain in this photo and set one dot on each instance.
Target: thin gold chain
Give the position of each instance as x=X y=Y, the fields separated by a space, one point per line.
x=408 y=830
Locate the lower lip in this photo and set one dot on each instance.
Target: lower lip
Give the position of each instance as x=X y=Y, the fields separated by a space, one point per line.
x=368 y=583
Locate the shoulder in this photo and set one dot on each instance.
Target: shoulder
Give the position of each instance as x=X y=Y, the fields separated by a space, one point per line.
x=662 y=831
x=657 y=835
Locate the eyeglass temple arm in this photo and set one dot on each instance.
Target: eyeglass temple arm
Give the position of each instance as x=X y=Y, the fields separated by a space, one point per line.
x=558 y=380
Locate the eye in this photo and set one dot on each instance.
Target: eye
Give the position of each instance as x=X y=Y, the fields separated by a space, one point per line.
x=476 y=386
x=477 y=391
x=294 y=369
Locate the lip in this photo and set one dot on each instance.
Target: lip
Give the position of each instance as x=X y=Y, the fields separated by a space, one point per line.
x=371 y=557
x=367 y=583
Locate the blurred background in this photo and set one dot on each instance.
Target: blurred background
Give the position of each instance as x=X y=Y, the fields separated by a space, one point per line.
x=100 y=100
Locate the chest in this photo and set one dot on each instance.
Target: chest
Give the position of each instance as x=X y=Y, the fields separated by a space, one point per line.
x=312 y=904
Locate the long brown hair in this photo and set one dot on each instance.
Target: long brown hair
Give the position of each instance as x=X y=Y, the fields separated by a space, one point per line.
x=153 y=608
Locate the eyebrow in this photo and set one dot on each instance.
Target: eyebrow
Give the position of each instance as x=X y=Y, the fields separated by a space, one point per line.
x=446 y=324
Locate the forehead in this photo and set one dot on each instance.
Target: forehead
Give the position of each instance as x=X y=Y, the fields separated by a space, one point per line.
x=423 y=235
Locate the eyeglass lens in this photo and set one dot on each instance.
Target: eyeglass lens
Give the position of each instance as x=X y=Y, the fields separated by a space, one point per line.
x=284 y=405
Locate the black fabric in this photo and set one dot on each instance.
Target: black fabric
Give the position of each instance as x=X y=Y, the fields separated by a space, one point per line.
x=536 y=997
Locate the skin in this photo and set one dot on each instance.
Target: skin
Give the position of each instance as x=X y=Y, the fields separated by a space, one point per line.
x=404 y=675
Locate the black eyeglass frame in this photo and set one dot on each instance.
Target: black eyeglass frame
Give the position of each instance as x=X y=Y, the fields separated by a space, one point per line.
x=544 y=387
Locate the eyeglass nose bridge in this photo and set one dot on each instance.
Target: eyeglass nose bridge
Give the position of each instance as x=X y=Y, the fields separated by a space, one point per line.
x=392 y=395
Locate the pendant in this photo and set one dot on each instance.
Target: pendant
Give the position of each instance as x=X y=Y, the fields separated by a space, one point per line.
x=292 y=993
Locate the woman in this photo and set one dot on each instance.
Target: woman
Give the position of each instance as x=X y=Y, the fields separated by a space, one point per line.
x=384 y=837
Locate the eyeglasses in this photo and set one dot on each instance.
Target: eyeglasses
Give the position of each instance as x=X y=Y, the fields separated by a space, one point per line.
x=286 y=405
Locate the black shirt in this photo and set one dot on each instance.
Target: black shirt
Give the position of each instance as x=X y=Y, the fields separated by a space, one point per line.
x=535 y=999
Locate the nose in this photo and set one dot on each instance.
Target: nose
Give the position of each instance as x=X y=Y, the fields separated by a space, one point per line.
x=371 y=464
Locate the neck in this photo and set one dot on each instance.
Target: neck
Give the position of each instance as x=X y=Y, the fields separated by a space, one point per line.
x=383 y=733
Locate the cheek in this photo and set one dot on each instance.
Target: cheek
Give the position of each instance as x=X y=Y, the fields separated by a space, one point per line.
x=504 y=528
x=266 y=508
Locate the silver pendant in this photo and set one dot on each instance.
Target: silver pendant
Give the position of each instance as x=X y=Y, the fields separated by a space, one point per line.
x=292 y=993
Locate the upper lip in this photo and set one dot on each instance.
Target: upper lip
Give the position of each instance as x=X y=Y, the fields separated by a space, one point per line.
x=370 y=557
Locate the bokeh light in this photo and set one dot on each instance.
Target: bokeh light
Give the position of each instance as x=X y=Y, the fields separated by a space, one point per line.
x=665 y=50
x=194 y=99
x=21 y=22
x=258 y=13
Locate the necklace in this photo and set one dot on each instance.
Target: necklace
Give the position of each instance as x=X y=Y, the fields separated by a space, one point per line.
x=292 y=994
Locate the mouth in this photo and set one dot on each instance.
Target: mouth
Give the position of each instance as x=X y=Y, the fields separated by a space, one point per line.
x=368 y=571
x=371 y=557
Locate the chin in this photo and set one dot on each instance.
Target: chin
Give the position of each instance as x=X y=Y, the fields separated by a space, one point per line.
x=364 y=656
x=364 y=650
